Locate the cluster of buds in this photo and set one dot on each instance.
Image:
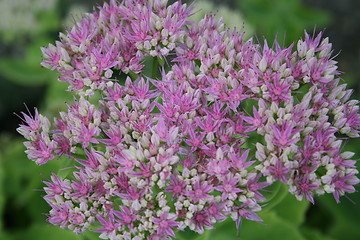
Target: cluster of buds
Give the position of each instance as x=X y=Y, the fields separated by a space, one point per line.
x=195 y=145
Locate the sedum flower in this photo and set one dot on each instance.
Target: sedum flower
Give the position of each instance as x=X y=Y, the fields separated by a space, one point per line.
x=199 y=138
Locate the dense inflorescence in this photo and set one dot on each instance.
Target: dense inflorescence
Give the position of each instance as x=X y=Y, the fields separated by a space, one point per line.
x=196 y=140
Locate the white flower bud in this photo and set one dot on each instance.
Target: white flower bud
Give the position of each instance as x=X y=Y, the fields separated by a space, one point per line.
x=263 y=64
x=301 y=48
x=347 y=155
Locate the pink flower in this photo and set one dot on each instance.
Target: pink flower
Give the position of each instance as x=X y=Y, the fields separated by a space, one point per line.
x=108 y=225
x=82 y=188
x=126 y=217
x=254 y=186
x=239 y=162
x=56 y=186
x=201 y=219
x=200 y=191
x=244 y=212
x=195 y=140
x=344 y=184
x=283 y=135
x=87 y=134
x=229 y=188
x=165 y=223
x=59 y=215
x=305 y=187
x=31 y=123
x=115 y=136
x=216 y=211
x=279 y=171
x=256 y=121
x=176 y=187
x=41 y=151
x=218 y=168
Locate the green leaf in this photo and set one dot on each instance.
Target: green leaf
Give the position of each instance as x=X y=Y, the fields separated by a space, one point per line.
x=345 y=215
x=314 y=234
x=5 y=236
x=46 y=232
x=292 y=210
x=275 y=195
x=2 y=193
x=274 y=227
x=265 y=15
x=27 y=70
x=23 y=195
x=56 y=96
x=224 y=230
x=87 y=235
x=18 y=71
x=48 y=21
x=186 y=234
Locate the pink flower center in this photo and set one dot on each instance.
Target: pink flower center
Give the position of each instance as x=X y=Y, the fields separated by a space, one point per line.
x=200 y=218
x=83 y=190
x=163 y=224
x=198 y=193
x=228 y=188
x=177 y=189
x=57 y=189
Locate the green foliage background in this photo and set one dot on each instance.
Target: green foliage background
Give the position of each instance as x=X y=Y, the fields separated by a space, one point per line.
x=22 y=80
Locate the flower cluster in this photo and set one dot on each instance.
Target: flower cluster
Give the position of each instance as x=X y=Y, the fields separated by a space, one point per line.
x=196 y=144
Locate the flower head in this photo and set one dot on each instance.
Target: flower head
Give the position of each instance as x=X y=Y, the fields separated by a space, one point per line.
x=196 y=141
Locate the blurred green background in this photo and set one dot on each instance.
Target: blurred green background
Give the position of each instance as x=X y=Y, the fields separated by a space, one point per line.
x=26 y=25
